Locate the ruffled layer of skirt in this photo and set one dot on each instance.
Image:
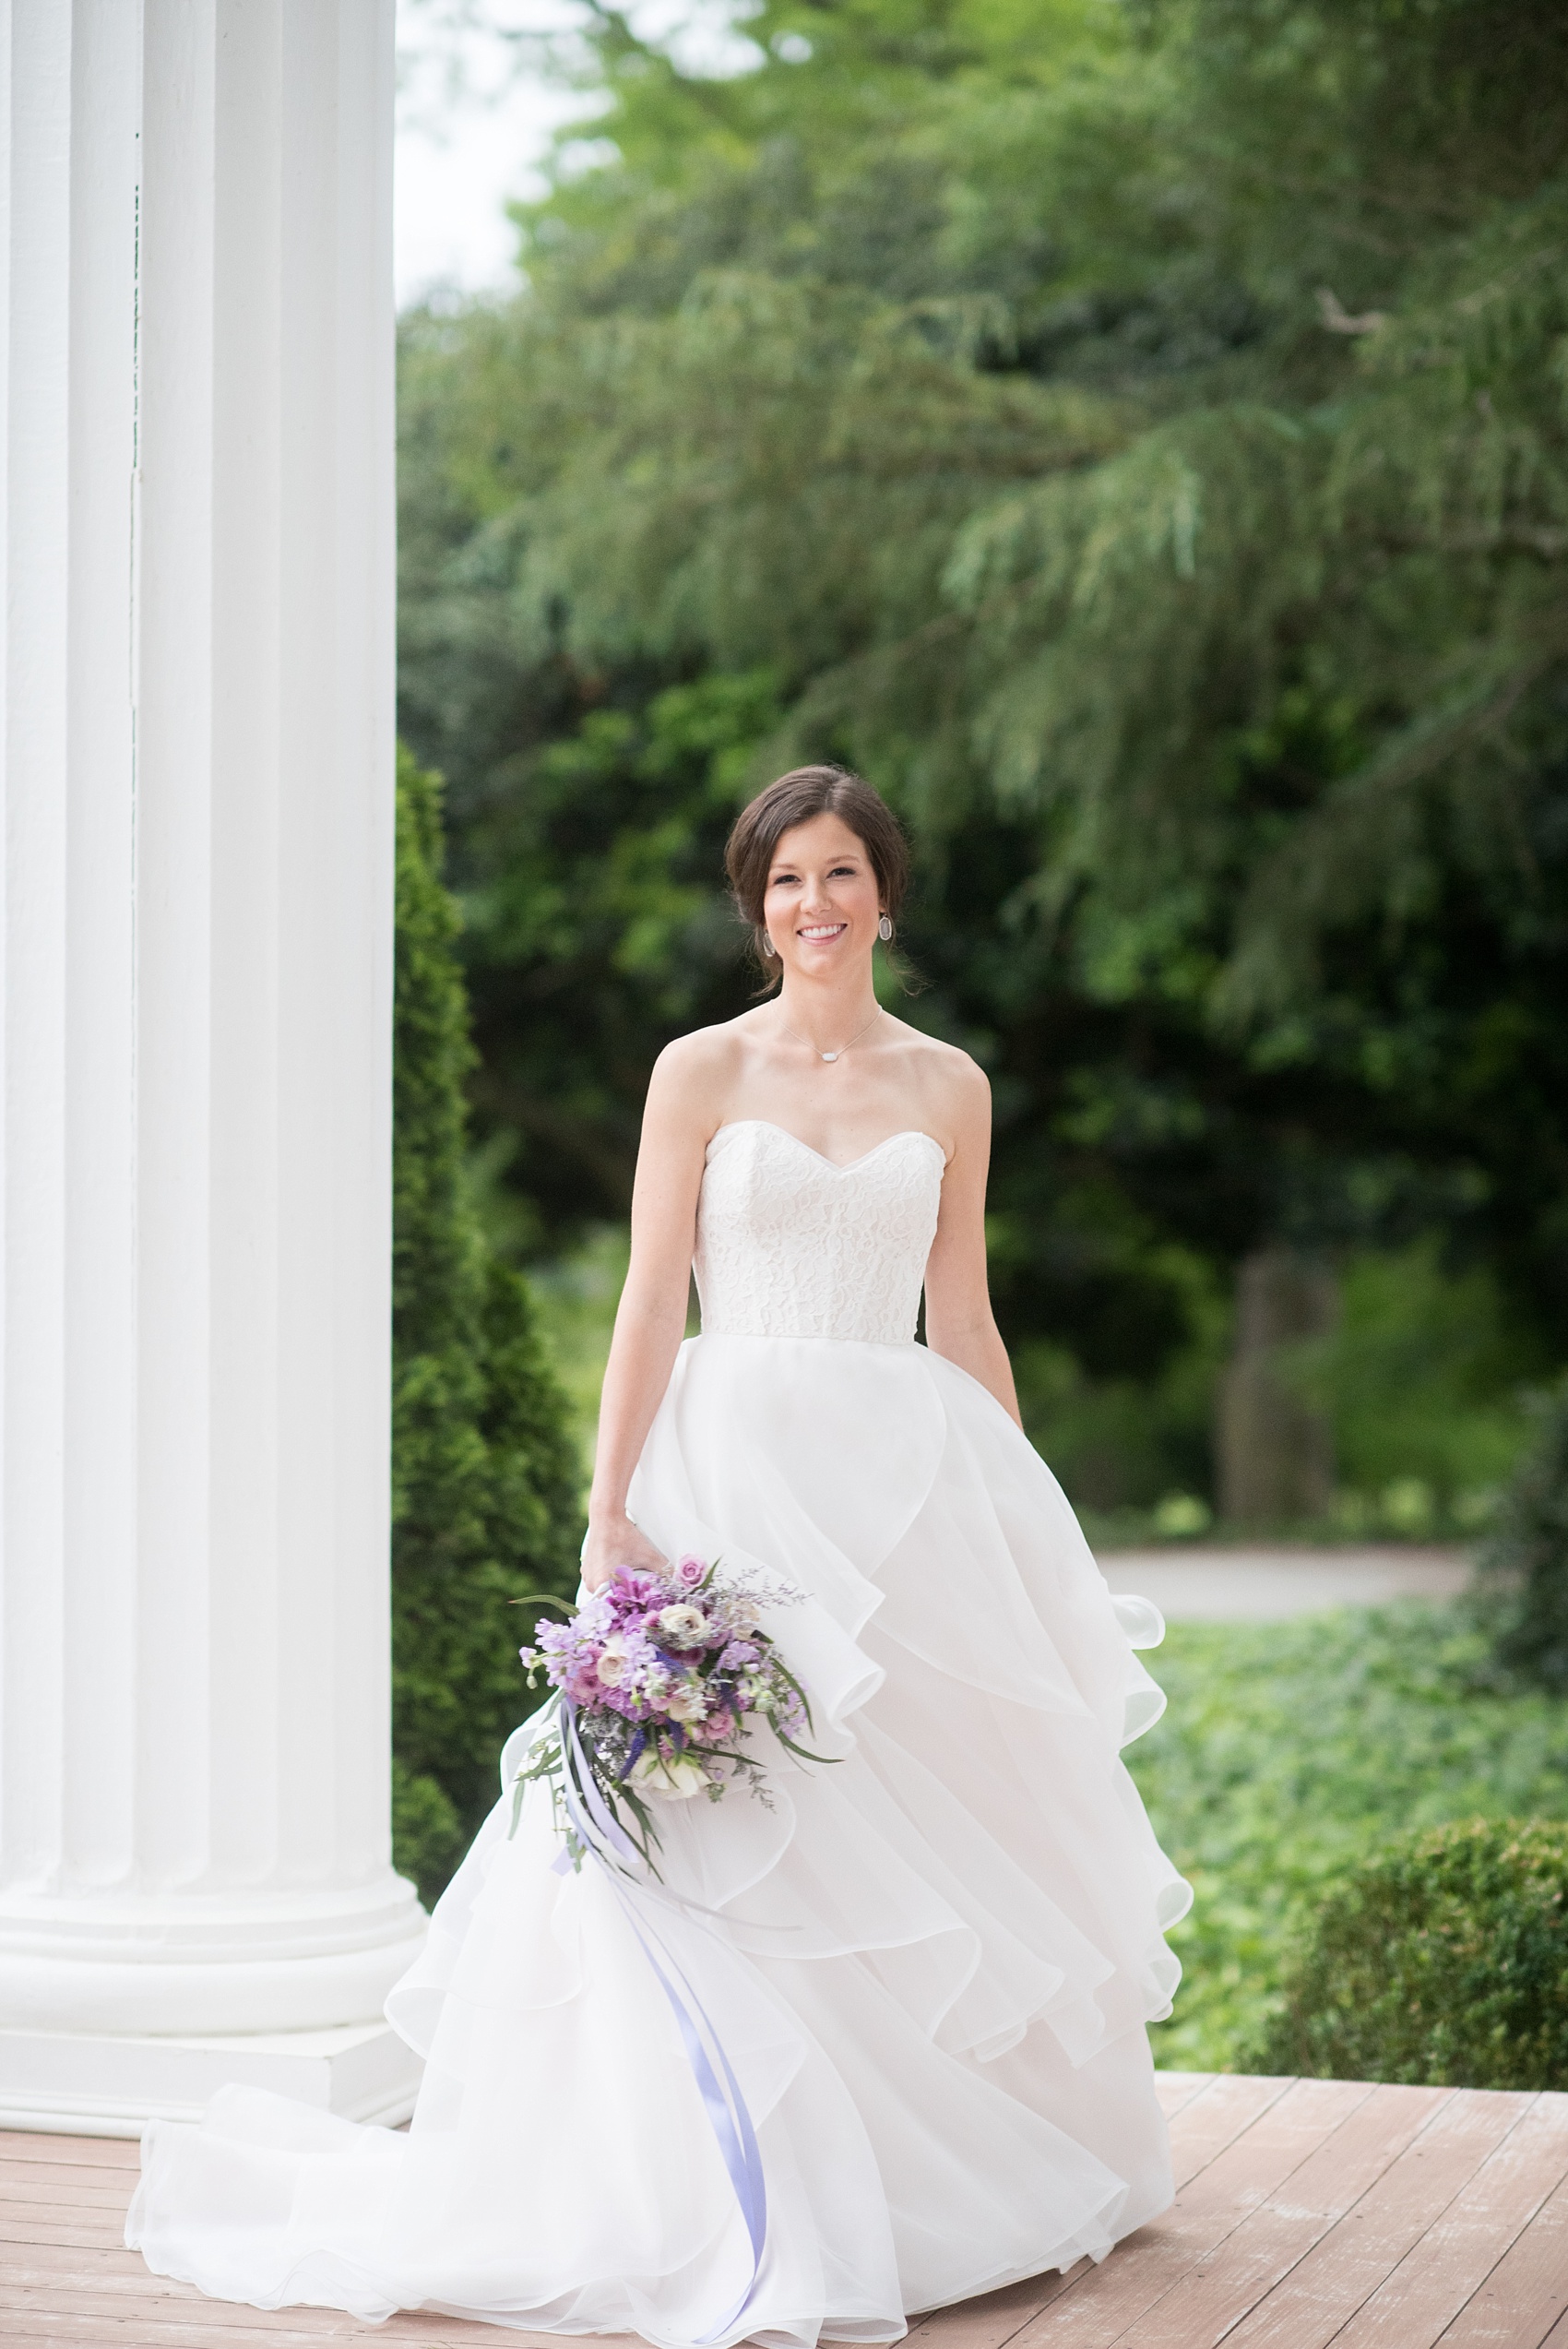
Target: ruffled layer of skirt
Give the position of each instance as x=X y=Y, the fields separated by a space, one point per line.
x=929 y=1965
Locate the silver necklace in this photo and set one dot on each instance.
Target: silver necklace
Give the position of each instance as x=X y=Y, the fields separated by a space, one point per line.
x=843 y=1048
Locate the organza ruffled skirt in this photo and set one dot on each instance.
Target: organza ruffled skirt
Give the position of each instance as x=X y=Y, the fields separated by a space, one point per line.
x=929 y=1965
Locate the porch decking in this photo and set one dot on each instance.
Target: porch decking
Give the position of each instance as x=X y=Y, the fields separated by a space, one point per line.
x=1309 y=2213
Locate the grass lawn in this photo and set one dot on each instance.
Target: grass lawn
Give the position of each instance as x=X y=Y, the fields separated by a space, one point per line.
x=1290 y=1748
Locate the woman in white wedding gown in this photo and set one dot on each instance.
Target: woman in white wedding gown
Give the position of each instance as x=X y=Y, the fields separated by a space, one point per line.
x=929 y=1965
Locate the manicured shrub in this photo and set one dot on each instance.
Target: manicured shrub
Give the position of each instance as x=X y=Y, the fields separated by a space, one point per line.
x=427 y=1834
x=1527 y=1559
x=484 y=1487
x=1443 y=1960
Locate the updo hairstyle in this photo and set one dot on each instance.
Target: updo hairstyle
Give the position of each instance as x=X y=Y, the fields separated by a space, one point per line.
x=794 y=799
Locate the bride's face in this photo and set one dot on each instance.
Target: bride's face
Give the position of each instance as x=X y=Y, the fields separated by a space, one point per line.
x=822 y=904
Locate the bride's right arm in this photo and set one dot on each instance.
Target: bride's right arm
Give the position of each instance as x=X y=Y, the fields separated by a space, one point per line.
x=651 y=1319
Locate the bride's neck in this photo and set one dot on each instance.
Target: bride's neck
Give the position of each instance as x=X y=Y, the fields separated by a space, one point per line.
x=826 y=1017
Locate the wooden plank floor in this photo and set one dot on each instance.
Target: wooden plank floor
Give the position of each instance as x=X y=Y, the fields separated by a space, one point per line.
x=1307 y=2213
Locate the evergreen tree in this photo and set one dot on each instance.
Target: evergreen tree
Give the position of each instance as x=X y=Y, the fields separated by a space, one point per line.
x=484 y=1504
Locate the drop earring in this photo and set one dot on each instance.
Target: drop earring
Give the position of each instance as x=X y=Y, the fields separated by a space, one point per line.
x=884 y=928
x=769 y=949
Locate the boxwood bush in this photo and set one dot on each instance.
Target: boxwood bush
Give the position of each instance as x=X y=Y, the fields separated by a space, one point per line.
x=1443 y=1960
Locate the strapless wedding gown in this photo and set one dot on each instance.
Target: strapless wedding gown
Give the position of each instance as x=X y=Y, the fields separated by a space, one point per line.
x=930 y=1966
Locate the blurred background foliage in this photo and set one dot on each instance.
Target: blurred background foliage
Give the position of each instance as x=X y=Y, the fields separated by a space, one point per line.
x=1291 y=1753
x=1135 y=435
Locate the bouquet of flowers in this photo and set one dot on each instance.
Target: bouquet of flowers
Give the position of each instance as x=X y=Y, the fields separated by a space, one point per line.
x=657 y=1677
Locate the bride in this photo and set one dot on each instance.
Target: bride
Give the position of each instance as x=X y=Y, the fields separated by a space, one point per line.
x=928 y=1966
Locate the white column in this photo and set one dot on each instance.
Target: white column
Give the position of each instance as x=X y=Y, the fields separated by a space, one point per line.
x=195 y=655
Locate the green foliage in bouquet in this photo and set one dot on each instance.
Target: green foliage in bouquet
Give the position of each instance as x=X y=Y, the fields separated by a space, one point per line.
x=1527 y=1558
x=1443 y=1960
x=485 y=1476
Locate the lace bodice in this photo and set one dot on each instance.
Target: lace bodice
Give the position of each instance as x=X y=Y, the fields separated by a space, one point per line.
x=791 y=1245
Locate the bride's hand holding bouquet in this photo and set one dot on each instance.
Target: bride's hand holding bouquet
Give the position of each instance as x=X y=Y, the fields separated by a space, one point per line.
x=613 y=1539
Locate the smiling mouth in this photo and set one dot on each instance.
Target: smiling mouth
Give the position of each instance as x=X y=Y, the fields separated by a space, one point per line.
x=821 y=930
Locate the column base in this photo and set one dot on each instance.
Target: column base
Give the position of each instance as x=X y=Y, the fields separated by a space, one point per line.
x=89 y=2085
x=122 y=1964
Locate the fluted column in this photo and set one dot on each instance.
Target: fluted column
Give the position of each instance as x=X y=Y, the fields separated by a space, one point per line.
x=195 y=485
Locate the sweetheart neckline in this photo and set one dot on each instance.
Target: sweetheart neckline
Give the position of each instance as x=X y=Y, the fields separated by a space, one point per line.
x=839 y=1166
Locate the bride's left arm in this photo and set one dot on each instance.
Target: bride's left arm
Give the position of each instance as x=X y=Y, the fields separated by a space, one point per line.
x=958 y=1319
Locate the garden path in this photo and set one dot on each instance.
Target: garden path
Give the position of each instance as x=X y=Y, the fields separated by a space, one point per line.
x=1190 y=1584
x=1310 y=2213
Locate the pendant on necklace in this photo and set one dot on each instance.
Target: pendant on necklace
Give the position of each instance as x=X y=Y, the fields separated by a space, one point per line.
x=830 y=1055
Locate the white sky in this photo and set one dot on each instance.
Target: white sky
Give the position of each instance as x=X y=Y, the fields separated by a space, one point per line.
x=472 y=127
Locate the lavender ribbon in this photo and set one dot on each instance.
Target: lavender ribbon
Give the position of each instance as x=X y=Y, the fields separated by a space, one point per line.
x=595 y=1823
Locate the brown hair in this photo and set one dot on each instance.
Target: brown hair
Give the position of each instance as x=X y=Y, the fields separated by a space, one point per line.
x=794 y=799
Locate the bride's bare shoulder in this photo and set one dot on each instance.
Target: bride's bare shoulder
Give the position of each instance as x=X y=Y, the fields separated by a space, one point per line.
x=694 y=1073
x=952 y=1087
x=936 y=1062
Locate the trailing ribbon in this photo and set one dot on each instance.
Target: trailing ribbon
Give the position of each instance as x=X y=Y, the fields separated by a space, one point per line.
x=726 y=2113
x=595 y=1824
x=577 y=1780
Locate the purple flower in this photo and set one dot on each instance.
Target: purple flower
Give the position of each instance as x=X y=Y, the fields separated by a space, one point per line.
x=738 y=1653
x=690 y=1572
x=629 y=1588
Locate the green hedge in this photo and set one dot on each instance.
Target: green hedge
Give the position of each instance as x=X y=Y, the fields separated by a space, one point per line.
x=1442 y=1960
x=485 y=1474
x=1291 y=1751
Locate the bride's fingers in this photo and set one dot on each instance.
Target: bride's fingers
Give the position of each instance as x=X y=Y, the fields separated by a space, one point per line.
x=630 y=1549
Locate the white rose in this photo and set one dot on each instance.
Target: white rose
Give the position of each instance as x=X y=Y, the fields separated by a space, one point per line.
x=686 y=1701
x=611 y=1669
x=682 y=1626
x=673 y=1778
